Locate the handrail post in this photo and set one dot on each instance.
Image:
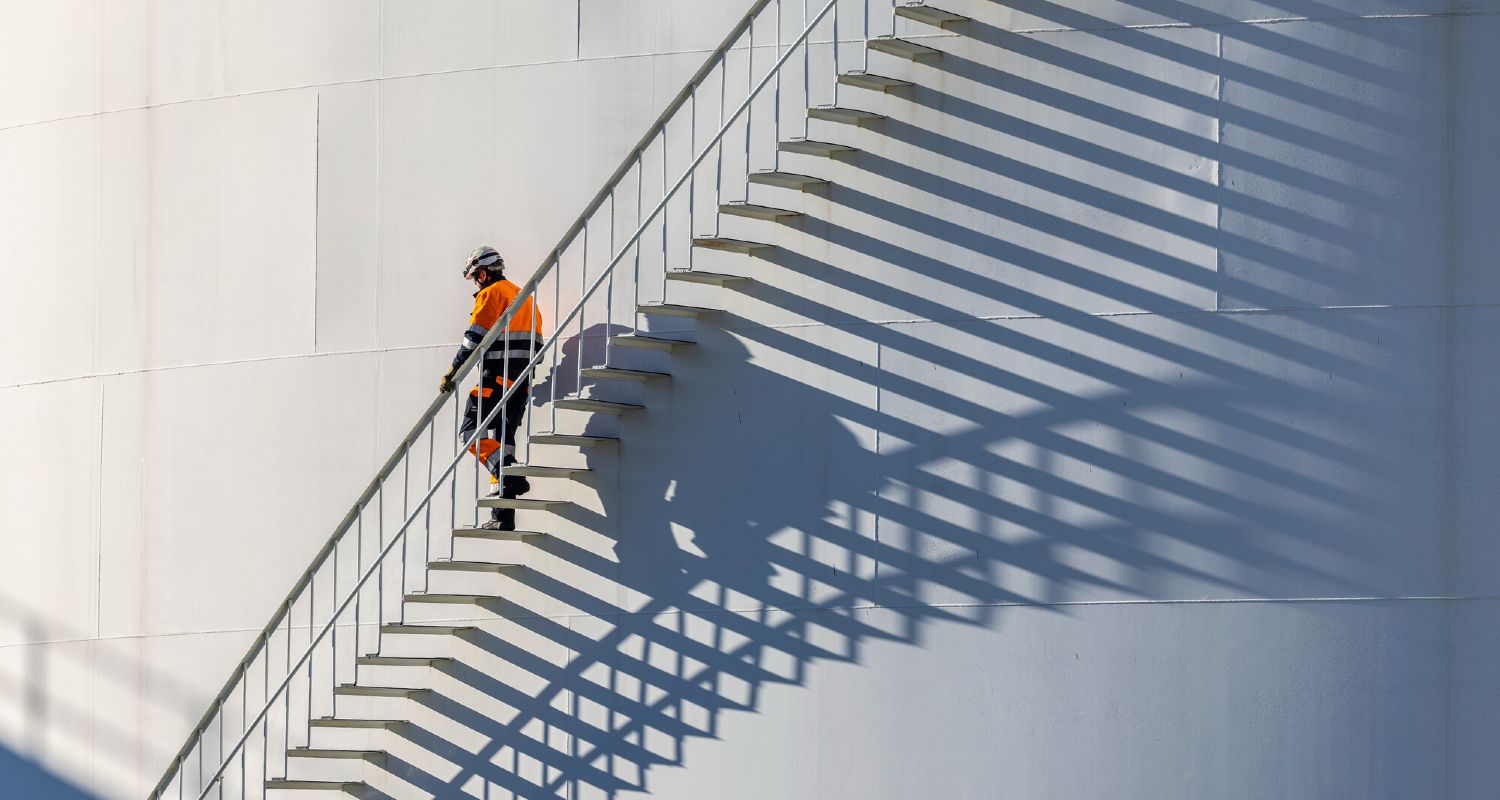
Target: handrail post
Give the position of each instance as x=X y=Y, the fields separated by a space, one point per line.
x=635 y=285
x=692 y=202
x=556 y=306
x=750 y=111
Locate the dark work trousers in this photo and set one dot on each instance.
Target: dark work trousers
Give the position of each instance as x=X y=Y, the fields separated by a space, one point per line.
x=490 y=452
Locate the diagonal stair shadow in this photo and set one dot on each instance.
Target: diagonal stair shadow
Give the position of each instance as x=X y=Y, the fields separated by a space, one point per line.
x=728 y=590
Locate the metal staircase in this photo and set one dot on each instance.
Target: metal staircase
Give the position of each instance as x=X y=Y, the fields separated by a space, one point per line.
x=338 y=653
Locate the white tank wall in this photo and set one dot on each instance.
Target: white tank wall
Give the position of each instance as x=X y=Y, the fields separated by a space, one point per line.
x=1121 y=424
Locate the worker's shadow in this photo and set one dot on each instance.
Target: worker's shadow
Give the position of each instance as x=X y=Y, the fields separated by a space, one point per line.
x=555 y=379
x=742 y=542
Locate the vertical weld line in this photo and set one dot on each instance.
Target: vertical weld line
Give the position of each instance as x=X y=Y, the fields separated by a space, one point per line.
x=1218 y=168
x=380 y=177
x=317 y=205
x=1450 y=521
x=99 y=522
x=94 y=338
x=879 y=352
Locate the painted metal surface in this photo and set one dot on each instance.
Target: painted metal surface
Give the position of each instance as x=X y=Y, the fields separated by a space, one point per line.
x=1097 y=326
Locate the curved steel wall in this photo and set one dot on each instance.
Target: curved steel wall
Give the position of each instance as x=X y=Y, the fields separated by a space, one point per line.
x=1120 y=424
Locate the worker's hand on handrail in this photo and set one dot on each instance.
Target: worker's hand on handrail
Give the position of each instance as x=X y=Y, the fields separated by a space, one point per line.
x=446 y=384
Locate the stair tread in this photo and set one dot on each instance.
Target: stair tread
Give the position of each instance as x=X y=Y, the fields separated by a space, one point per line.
x=585 y=403
x=756 y=211
x=402 y=661
x=729 y=244
x=424 y=630
x=486 y=533
x=922 y=12
x=324 y=752
x=541 y=471
x=441 y=597
x=650 y=342
x=621 y=374
x=675 y=310
x=869 y=80
x=815 y=148
x=350 y=722
x=699 y=276
x=848 y=116
x=477 y=566
x=527 y=503
x=757 y=206
x=357 y=690
x=903 y=48
x=340 y=786
x=572 y=439
x=787 y=180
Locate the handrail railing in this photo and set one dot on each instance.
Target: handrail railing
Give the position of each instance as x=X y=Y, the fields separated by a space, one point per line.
x=437 y=404
x=426 y=424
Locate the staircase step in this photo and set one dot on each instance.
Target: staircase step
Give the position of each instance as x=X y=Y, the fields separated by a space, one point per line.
x=921 y=12
x=402 y=661
x=902 y=48
x=354 y=690
x=596 y=406
x=425 y=630
x=359 y=724
x=725 y=244
x=787 y=180
x=375 y=756
x=617 y=374
x=673 y=310
x=808 y=147
x=846 y=116
x=448 y=599
x=707 y=278
x=866 y=80
x=648 y=343
x=445 y=565
x=571 y=439
x=522 y=503
x=350 y=787
x=537 y=471
x=496 y=536
x=752 y=211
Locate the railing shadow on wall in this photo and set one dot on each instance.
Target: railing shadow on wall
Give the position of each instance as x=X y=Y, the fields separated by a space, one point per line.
x=753 y=596
x=51 y=678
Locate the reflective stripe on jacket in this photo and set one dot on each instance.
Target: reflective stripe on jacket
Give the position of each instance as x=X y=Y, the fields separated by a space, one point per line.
x=522 y=337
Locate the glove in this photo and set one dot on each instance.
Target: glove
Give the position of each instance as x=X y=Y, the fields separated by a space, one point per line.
x=446 y=384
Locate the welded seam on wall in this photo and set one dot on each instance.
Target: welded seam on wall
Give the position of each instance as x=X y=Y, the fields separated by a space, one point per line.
x=799 y=325
x=1191 y=312
x=750 y=610
x=99 y=522
x=224 y=363
x=555 y=61
x=317 y=206
x=879 y=410
x=1147 y=26
x=1219 y=174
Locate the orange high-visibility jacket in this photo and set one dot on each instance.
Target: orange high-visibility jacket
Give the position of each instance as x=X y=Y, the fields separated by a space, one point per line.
x=511 y=350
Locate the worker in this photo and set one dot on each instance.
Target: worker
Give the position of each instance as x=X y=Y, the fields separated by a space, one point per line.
x=504 y=364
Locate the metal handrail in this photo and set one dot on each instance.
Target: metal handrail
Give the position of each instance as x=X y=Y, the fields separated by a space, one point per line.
x=428 y=416
x=436 y=405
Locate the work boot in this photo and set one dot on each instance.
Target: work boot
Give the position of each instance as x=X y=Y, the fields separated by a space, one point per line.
x=501 y=519
x=513 y=486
